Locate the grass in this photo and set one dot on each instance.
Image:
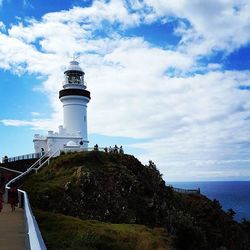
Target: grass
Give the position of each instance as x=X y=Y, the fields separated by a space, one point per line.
x=66 y=232
x=47 y=189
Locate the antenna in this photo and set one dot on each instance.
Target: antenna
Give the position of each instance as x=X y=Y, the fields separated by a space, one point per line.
x=75 y=56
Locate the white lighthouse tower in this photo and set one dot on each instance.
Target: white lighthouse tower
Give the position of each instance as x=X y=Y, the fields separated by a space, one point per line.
x=74 y=97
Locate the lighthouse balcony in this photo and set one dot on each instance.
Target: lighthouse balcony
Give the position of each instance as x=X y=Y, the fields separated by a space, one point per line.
x=67 y=85
x=63 y=133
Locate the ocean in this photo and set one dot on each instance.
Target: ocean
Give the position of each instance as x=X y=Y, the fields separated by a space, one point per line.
x=231 y=194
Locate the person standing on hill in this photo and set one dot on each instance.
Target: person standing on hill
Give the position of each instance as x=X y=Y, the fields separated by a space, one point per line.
x=2 y=182
x=13 y=198
x=1 y=201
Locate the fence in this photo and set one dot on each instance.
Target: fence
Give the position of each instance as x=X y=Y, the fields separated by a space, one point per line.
x=187 y=191
x=95 y=148
x=23 y=157
x=40 y=154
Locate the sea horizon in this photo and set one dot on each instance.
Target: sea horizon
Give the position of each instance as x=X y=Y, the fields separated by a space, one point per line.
x=210 y=181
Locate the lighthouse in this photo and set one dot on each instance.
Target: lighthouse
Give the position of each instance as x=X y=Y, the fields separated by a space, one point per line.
x=75 y=98
x=73 y=133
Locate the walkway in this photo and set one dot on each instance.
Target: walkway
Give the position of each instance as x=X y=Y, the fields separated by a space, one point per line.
x=12 y=234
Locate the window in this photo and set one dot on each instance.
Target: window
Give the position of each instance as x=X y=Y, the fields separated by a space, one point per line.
x=75 y=77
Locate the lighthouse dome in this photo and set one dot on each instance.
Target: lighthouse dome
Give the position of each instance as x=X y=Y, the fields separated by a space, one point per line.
x=73 y=66
x=71 y=144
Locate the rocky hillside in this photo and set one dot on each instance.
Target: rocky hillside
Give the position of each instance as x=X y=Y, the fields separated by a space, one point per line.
x=117 y=188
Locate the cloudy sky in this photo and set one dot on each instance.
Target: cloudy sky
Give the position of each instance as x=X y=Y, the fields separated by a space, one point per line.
x=169 y=79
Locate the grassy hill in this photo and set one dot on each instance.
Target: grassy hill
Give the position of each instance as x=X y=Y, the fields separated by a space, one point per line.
x=98 y=200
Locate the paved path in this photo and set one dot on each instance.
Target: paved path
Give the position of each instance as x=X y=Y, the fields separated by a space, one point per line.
x=12 y=234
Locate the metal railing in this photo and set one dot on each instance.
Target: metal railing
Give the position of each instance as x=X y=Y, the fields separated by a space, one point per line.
x=34 y=237
x=23 y=157
x=187 y=191
x=40 y=154
x=11 y=170
x=35 y=240
x=102 y=149
x=47 y=161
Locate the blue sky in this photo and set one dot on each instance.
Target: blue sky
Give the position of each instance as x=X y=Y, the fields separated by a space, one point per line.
x=169 y=80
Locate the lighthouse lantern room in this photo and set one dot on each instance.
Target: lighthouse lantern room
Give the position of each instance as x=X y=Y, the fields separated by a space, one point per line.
x=74 y=98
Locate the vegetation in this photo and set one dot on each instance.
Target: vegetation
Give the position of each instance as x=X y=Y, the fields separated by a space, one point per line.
x=118 y=189
x=66 y=232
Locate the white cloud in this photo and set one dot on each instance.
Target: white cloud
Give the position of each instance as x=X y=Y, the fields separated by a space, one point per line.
x=214 y=25
x=140 y=90
x=36 y=124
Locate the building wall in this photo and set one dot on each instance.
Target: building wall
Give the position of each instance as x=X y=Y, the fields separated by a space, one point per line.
x=53 y=142
x=40 y=145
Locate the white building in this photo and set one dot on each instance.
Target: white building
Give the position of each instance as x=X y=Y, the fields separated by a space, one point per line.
x=73 y=133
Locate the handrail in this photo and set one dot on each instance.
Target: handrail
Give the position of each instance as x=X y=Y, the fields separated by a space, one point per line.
x=8 y=169
x=35 y=242
x=47 y=160
x=34 y=235
x=28 y=170
x=39 y=160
